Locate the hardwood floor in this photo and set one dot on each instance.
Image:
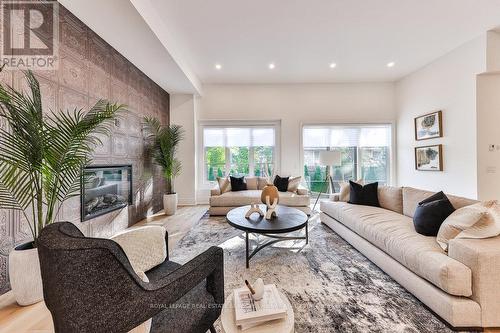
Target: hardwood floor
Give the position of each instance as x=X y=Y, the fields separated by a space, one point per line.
x=36 y=318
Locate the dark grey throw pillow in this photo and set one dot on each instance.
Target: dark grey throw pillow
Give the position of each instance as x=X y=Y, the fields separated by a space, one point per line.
x=431 y=213
x=363 y=195
x=281 y=183
x=238 y=184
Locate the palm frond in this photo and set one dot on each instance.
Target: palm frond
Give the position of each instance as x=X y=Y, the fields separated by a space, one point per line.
x=72 y=138
x=41 y=157
x=163 y=142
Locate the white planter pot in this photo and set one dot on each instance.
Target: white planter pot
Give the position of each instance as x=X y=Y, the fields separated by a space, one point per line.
x=24 y=275
x=170 y=203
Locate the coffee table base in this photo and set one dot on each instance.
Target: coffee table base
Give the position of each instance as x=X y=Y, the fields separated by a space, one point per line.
x=276 y=239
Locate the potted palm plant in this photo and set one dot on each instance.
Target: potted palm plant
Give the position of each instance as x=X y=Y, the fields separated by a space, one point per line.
x=41 y=158
x=163 y=142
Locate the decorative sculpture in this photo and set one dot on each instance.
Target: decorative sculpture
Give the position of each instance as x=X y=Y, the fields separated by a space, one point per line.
x=271 y=208
x=270 y=191
x=254 y=208
x=258 y=287
x=270 y=197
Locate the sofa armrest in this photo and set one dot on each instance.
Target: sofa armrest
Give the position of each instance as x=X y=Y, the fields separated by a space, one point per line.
x=301 y=190
x=482 y=256
x=335 y=197
x=215 y=191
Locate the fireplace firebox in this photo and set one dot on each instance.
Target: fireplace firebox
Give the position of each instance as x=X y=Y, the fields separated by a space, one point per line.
x=105 y=188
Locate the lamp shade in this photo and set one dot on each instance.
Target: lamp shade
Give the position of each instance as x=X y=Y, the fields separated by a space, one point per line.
x=330 y=157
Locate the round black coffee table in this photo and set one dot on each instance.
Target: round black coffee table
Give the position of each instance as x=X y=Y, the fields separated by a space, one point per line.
x=288 y=219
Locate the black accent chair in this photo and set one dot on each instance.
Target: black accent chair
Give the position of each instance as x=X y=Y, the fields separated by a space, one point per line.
x=90 y=286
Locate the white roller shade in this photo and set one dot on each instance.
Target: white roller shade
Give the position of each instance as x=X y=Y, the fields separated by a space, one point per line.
x=263 y=137
x=344 y=137
x=347 y=136
x=375 y=137
x=316 y=137
x=238 y=137
x=213 y=137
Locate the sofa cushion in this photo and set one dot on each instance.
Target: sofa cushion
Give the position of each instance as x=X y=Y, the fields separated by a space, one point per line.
x=481 y=220
x=293 y=184
x=144 y=246
x=224 y=184
x=394 y=234
x=262 y=182
x=238 y=184
x=252 y=183
x=294 y=199
x=412 y=196
x=391 y=198
x=431 y=213
x=345 y=191
x=242 y=198
x=281 y=183
x=364 y=194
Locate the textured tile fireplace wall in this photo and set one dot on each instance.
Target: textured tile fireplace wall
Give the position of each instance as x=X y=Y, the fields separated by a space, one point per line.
x=90 y=69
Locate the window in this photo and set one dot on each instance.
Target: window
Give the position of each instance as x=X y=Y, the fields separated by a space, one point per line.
x=239 y=151
x=365 y=154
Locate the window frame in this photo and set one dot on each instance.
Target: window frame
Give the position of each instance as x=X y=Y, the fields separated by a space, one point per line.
x=202 y=166
x=391 y=174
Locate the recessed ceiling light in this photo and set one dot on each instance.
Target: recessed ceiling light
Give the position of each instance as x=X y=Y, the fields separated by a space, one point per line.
x=333 y=65
x=391 y=64
x=272 y=65
x=218 y=66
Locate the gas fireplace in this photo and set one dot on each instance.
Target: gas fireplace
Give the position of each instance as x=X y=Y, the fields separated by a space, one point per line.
x=105 y=188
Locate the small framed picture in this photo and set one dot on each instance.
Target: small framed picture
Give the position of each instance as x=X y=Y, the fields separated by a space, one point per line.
x=429 y=126
x=429 y=158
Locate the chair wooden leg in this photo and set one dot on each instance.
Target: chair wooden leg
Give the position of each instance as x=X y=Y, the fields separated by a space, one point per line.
x=212 y=329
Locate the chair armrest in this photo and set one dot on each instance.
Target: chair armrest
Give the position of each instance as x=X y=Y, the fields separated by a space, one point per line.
x=482 y=256
x=215 y=191
x=208 y=265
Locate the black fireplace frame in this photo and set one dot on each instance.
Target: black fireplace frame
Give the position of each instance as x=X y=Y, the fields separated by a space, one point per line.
x=99 y=167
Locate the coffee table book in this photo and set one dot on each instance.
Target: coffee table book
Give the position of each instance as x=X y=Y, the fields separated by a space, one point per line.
x=249 y=312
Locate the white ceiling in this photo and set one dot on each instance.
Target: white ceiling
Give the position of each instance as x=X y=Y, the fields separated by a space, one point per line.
x=119 y=23
x=302 y=37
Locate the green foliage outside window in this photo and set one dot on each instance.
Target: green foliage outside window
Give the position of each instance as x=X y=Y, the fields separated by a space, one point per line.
x=374 y=167
x=239 y=161
x=215 y=158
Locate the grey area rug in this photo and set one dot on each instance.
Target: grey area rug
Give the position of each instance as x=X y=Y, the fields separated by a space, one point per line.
x=332 y=287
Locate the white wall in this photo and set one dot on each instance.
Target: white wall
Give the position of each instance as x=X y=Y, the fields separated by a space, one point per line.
x=183 y=112
x=493 y=51
x=447 y=84
x=295 y=105
x=488 y=120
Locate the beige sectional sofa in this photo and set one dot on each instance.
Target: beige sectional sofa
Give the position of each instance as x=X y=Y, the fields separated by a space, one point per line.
x=222 y=203
x=461 y=286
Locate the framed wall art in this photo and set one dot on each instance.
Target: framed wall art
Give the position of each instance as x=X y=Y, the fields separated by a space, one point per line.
x=429 y=126
x=429 y=158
